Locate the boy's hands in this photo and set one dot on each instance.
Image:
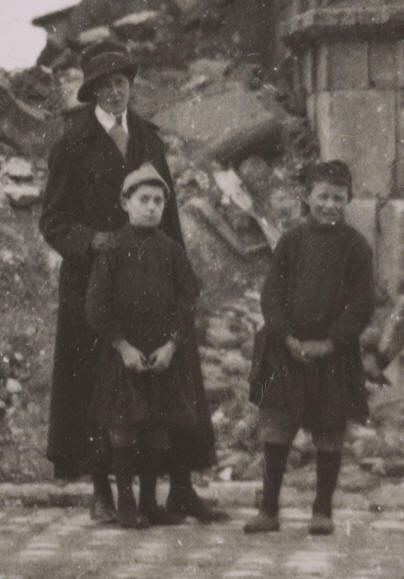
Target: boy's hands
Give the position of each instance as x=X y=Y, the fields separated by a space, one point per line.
x=161 y=358
x=135 y=360
x=132 y=358
x=317 y=349
x=308 y=350
x=296 y=350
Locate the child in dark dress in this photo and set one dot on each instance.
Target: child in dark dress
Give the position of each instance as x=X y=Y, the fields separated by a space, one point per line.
x=140 y=301
x=307 y=371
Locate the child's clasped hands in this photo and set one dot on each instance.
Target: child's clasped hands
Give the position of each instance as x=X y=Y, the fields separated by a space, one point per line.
x=306 y=351
x=134 y=359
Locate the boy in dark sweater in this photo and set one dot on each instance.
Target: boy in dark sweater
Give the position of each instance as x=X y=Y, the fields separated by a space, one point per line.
x=140 y=302
x=307 y=371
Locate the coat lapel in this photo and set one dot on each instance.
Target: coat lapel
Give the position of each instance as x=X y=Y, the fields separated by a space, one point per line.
x=101 y=157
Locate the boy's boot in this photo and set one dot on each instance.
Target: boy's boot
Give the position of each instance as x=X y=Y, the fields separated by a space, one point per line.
x=156 y=514
x=127 y=511
x=275 y=459
x=328 y=466
x=184 y=501
x=102 y=504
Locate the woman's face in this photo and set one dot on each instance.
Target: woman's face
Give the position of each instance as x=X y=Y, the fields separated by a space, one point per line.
x=112 y=93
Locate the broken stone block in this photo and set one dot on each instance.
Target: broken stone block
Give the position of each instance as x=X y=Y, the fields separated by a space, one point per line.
x=22 y=195
x=210 y=355
x=359 y=127
x=226 y=474
x=209 y=67
x=382 y=66
x=219 y=336
x=390 y=259
x=400 y=63
x=262 y=139
x=18 y=168
x=24 y=128
x=218 y=388
x=225 y=125
x=308 y=71
x=196 y=82
x=137 y=26
x=361 y=214
x=342 y=66
x=234 y=363
x=94 y=35
x=13 y=386
x=373 y=464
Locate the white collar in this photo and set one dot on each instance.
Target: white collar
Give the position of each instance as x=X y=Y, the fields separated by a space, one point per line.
x=107 y=120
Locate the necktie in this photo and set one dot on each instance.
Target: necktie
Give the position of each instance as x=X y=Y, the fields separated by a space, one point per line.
x=119 y=136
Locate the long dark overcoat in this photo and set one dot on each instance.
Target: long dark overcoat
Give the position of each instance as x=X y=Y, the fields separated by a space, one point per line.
x=86 y=171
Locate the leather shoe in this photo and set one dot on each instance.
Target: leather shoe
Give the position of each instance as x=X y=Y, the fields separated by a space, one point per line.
x=262 y=523
x=133 y=520
x=191 y=505
x=102 y=511
x=158 y=515
x=321 y=525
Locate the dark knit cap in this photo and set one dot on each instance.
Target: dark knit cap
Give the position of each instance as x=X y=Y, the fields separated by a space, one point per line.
x=335 y=171
x=100 y=59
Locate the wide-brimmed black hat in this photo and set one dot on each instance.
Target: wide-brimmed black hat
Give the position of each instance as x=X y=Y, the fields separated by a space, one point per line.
x=100 y=59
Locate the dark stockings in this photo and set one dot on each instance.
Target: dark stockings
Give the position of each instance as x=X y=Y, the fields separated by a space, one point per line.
x=148 y=482
x=101 y=486
x=275 y=459
x=180 y=480
x=328 y=467
x=123 y=468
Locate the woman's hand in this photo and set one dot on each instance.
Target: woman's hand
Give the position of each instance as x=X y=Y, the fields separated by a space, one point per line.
x=161 y=358
x=132 y=358
x=103 y=240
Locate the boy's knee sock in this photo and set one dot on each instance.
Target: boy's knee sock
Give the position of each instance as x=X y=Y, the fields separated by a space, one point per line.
x=328 y=467
x=275 y=459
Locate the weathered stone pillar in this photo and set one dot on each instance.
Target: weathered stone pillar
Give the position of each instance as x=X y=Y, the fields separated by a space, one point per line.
x=350 y=71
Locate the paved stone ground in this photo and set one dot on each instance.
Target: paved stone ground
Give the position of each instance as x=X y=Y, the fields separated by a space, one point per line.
x=65 y=544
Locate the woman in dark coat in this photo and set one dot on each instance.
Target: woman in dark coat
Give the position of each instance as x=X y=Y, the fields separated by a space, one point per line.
x=81 y=212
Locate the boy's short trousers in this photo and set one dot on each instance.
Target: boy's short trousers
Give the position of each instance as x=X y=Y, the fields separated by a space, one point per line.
x=275 y=426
